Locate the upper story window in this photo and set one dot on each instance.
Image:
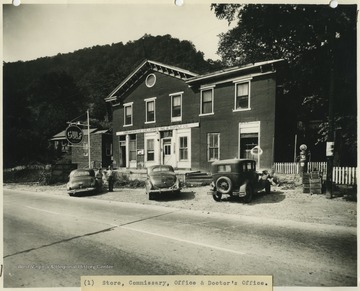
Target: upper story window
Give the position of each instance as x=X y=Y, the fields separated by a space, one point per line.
x=150 y=110
x=128 y=114
x=176 y=106
x=150 y=80
x=207 y=101
x=242 y=96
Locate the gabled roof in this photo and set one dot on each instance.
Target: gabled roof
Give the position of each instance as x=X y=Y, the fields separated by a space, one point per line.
x=143 y=69
x=232 y=71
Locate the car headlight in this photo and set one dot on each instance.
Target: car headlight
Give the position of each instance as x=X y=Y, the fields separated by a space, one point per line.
x=148 y=184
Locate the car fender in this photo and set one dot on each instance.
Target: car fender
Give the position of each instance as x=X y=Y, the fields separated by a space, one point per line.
x=243 y=187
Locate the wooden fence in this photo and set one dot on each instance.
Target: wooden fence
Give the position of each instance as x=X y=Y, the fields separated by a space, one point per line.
x=341 y=175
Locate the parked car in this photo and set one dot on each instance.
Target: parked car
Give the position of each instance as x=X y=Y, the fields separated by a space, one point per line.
x=161 y=179
x=83 y=180
x=238 y=178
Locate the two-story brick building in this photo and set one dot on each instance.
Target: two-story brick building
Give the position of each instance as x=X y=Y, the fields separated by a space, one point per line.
x=166 y=115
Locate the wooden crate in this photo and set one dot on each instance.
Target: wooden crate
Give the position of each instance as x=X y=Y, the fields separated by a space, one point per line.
x=312 y=183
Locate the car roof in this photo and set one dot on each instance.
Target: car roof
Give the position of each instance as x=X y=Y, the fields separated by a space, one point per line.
x=158 y=166
x=231 y=161
x=82 y=170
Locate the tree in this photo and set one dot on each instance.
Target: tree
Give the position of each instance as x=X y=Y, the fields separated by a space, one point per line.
x=307 y=37
x=52 y=100
x=41 y=95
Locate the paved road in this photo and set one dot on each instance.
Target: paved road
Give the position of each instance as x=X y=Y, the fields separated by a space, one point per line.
x=50 y=241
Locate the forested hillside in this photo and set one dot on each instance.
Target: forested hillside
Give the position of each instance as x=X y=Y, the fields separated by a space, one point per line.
x=41 y=95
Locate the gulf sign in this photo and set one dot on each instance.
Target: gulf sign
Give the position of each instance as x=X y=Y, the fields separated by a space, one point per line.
x=74 y=134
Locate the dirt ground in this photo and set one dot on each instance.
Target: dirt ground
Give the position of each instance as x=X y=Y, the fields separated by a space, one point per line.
x=282 y=203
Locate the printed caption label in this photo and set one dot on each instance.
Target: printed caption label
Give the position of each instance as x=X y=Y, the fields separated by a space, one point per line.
x=170 y=283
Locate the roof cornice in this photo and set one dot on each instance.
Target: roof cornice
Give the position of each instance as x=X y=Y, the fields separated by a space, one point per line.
x=140 y=71
x=232 y=71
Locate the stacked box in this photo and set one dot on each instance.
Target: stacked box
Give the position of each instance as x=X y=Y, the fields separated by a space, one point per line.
x=312 y=183
x=306 y=183
x=315 y=183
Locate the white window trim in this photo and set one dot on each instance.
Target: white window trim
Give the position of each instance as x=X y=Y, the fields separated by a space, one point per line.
x=147 y=100
x=235 y=95
x=146 y=80
x=178 y=118
x=207 y=88
x=208 y=146
x=188 y=148
x=146 y=150
x=130 y=104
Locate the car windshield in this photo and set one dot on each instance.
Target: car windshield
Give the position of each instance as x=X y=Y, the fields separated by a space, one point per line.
x=80 y=173
x=161 y=169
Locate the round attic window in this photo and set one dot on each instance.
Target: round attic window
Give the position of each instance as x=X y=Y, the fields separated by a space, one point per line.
x=150 y=80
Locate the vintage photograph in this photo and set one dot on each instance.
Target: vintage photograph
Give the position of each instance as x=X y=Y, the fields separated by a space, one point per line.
x=179 y=139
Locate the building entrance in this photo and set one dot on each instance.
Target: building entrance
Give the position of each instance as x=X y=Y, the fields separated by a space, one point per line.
x=168 y=155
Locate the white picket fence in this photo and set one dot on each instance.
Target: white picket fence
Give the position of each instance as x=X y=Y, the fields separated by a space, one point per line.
x=341 y=175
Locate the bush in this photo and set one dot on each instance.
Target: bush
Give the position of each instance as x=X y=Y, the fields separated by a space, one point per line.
x=24 y=175
x=45 y=177
x=123 y=180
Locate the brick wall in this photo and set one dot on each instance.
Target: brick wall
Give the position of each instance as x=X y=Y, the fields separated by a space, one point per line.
x=78 y=152
x=224 y=121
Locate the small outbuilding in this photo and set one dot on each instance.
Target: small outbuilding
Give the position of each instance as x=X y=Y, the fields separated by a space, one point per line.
x=100 y=148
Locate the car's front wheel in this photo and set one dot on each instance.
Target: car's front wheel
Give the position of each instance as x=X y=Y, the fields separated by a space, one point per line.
x=217 y=197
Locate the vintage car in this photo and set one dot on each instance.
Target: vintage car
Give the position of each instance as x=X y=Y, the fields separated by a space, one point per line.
x=83 y=180
x=161 y=179
x=238 y=178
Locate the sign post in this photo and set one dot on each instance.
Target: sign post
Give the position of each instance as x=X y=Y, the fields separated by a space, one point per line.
x=74 y=134
x=88 y=128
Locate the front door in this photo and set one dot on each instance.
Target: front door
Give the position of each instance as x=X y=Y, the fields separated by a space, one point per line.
x=247 y=142
x=122 y=154
x=167 y=151
x=168 y=157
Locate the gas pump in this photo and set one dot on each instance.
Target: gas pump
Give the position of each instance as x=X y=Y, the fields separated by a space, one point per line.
x=303 y=159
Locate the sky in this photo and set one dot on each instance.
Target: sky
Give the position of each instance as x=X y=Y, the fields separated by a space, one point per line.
x=31 y=31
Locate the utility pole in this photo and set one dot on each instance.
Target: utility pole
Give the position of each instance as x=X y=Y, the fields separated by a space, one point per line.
x=88 y=128
x=330 y=138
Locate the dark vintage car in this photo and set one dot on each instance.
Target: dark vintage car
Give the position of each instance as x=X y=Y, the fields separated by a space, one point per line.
x=238 y=178
x=161 y=179
x=83 y=180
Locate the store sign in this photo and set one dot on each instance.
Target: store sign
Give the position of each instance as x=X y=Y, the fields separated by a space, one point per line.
x=74 y=134
x=159 y=129
x=256 y=150
x=329 y=148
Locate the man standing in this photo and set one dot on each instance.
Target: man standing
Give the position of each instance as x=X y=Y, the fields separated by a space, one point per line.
x=110 y=177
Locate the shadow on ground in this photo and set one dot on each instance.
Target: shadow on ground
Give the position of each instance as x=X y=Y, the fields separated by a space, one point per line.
x=258 y=198
x=183 y=195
